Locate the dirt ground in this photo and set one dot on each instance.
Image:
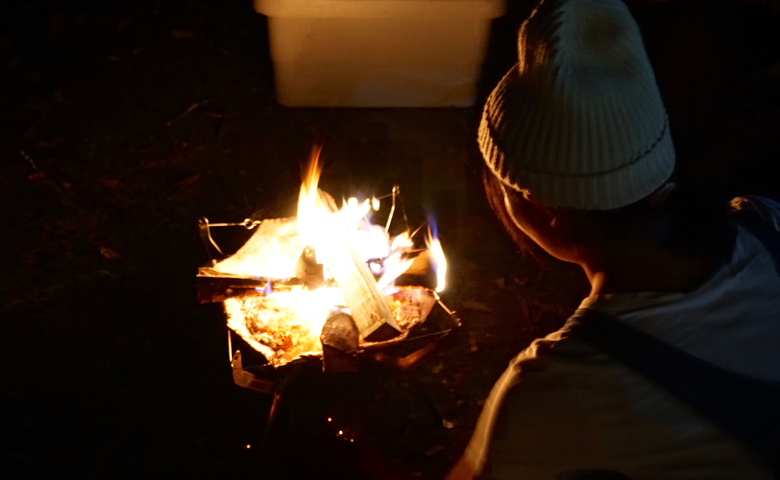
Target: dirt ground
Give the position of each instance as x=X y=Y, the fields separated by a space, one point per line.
x=123 y=123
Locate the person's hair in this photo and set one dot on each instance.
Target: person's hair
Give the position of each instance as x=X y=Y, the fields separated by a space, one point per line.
x=495 y=196
x=688 y=221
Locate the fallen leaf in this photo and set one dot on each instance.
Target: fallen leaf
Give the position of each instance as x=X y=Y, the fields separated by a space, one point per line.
x=110 y=253
x=434 y=450
x=47 y=144
x=59 y=98
x=123 y=22
x=80 y=21
x=525 y=311
x=29 y=133
x=191 y=180
x=182 y=34
x=224 y=129
x=148 y=149
x=56 y=26
x=13 y=63
x=40 y=108
x=154 y=164
x=461 y=375
x=111 y=183
x=472 y=304
x=189 y=110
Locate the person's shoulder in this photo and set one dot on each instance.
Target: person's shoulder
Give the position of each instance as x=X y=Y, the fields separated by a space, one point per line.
x=766 y=208
x=565 y=345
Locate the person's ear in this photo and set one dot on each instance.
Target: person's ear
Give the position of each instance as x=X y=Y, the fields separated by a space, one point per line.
x=551 y=215
x=495 y=197
x=533 y=218
x=547 y=227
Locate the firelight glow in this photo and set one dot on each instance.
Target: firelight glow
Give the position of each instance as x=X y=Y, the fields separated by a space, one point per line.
x=283 y=321
x=327 y=230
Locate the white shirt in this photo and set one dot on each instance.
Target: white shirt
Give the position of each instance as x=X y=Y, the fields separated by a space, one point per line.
x=586 y=410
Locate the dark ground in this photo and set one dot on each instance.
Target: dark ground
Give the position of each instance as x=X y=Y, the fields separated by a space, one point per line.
x=108 y=366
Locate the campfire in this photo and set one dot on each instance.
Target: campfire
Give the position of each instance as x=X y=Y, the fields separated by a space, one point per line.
x=325 y=280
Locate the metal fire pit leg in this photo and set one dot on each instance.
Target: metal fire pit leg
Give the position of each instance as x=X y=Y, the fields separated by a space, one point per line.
x=245 y=379
x=278 y=393
x=269 y=423
x=423 y=394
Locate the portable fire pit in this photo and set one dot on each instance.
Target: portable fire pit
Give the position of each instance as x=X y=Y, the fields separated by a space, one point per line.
x=328 y=286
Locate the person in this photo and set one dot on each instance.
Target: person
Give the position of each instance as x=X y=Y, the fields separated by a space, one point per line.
x=580 y=160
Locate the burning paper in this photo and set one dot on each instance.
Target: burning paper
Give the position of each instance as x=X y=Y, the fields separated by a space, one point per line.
x=282 y=325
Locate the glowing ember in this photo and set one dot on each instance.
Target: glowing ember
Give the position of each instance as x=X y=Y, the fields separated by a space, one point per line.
x=282 y=325
x=283 y=320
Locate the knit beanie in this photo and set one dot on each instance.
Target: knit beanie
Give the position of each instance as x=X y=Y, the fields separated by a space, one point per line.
x=579 y=122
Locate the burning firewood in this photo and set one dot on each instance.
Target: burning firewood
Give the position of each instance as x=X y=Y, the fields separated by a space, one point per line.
x=307 y=270
x=361 y=293
x=340 y=339
x=369 y=308
x=340 y=332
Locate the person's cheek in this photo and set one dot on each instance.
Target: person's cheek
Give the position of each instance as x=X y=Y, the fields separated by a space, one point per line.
x=531 y=220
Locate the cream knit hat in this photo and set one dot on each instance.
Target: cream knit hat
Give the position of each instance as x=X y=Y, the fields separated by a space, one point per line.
x=578 y=122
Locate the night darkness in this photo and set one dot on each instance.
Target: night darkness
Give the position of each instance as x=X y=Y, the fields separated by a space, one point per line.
x=123 y=122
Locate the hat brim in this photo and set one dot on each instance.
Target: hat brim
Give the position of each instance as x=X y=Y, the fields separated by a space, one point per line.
x=537 y=157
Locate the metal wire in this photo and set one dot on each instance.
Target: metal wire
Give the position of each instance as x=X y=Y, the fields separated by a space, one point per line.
x=396 y=190
x=248 y=223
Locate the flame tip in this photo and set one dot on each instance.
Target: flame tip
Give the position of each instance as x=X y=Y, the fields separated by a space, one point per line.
x=437 y=258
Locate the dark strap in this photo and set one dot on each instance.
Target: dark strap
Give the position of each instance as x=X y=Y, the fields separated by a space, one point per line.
x=747 y=408
x=768 y=236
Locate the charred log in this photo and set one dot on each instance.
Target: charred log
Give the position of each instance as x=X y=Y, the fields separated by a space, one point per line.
x=307 y=270
x=369 y=308
x=340 y=338
x=340 y=332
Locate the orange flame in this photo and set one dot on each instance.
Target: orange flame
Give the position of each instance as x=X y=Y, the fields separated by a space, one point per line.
x=437 y=258
x=312 y=217
x=286 y=323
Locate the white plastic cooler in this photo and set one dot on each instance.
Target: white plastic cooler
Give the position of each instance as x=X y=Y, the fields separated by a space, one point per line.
x=378 y=53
